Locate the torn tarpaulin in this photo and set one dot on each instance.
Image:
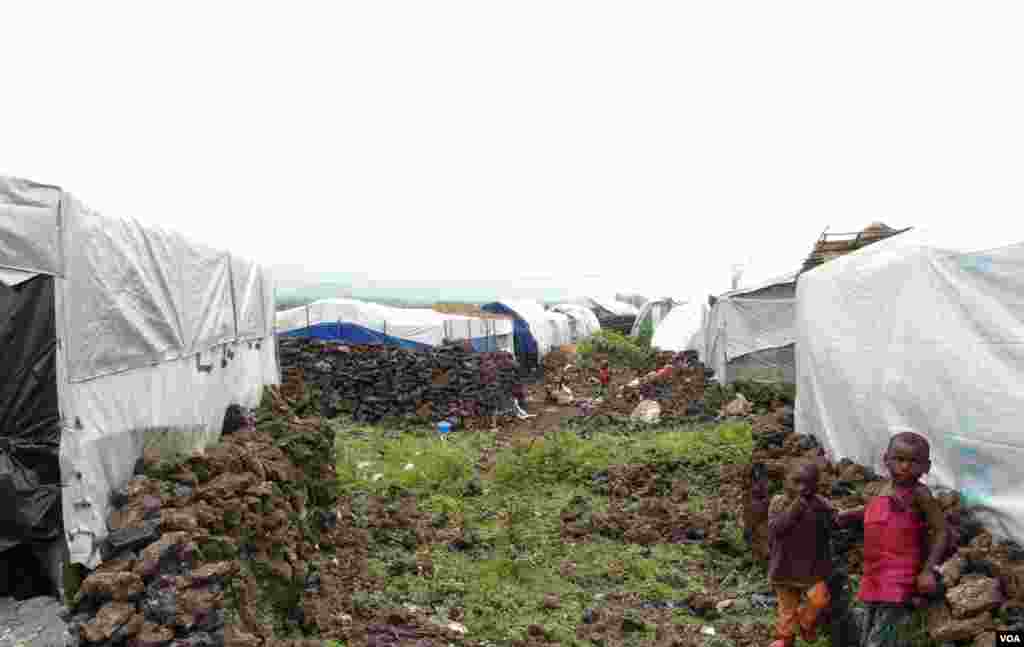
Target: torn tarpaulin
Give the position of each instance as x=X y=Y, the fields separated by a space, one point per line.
x=29 y=414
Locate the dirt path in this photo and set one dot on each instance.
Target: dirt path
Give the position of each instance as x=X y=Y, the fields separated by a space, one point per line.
x=549 y=417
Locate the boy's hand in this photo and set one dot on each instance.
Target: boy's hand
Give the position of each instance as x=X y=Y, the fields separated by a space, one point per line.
x=926 y=583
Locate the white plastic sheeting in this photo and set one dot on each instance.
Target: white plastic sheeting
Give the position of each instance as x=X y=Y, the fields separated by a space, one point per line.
x=682 y=328
x=559 y=330
x=747 y=321
x=139 y=311
x=611 y=304
x=654 y=311
x=914 y=334
x=582 y=321
x=170 y=407
x=30 y=226
x=420 y=325
x=533 y=313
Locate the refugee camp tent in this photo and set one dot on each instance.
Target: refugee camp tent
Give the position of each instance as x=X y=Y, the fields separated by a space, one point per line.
x=559 y=332
x=115 y=337
x=654 y=312
x=916 y=333
x=359 y=322
x=604 y=306
x=683 y=328
x=582 y=321
x=531 y=330
x=749 y=333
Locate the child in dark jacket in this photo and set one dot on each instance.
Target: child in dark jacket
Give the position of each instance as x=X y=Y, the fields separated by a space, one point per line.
x=800 y=525
x=905 y=538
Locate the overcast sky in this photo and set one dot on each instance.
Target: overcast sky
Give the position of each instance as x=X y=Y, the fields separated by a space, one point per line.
x=652 y=143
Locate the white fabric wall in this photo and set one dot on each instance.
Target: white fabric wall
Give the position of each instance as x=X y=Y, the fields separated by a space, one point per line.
x=583 y=322
x=914 y=334
x=682 y=329
x=737 y=325
x=172 y=407
x=29 y=233
x=655 y=311
x=134 y=306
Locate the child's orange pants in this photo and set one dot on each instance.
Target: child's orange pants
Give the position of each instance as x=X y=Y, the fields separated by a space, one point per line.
x=795 y=611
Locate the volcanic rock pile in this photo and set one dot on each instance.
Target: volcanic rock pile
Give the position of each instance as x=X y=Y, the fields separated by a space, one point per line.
x=372 y=383
x=189 y=539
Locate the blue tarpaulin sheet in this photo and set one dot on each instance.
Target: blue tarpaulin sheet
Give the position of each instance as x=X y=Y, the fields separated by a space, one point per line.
x=522 y=339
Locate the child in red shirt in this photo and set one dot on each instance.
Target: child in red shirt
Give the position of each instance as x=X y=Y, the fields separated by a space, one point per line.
x=604 y=376
x=905 y=537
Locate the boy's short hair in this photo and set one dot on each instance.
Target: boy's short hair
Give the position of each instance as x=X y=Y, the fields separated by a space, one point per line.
x=917 y=441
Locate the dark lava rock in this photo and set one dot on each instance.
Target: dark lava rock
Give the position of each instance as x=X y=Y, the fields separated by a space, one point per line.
x=807 y=442
x=841 y=489
x=589 y=616
x=312 y=584
x=160 y=604
x=694 y=534
x=130 y=539
x=763 y=600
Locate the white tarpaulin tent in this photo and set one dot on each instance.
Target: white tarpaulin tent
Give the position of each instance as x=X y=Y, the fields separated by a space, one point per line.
x=682 y=329
x=654 y=311
x=354 y=321
x=559 y=331
x=155 y=335
x=750 y=332
x=914 y=334
x=612 y=305
x=582 y=321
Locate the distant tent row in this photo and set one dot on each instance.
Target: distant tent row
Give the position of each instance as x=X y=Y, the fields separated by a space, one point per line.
x=359 y=322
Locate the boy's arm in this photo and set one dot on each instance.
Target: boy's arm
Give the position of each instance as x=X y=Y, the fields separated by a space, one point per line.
x=782 y=514
x=847 y=517
x=936 y=519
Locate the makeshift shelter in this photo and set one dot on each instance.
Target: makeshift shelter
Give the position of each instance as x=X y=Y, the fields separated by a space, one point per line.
x=559 y=330
x=653 y=312
x=916 y=334
x=358 y=322
x=582 y=321
x=749 y=333
x=115 y=337
x=531 y=336
x=605 y=307
x=683 y=329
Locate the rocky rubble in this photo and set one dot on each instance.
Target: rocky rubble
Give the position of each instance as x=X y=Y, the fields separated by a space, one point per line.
x=372 y=383
x=189 y=537
x=983 y=580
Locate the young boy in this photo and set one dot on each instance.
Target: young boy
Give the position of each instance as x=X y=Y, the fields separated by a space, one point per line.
x=905 y=538
x=800 y=525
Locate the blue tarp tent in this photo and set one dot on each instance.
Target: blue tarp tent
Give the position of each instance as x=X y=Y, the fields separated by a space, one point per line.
x=529 y=327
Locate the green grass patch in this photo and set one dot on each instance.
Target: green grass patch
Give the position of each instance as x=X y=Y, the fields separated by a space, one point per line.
x=512 y=554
